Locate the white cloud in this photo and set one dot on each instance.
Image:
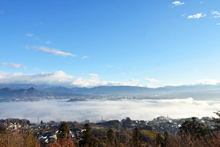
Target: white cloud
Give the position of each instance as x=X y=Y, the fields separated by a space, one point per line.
x=208 y=82
x=14 y=65
x=80 y=82
x=178 y=3
x=84 y=57
x=58 y=77
x=216 y=13
x=201 y=2
x=198 y=15
x=48 y=42
x=179 y=84
x=29 y=35
x=199 y=82
x=218 y=23
x=50 y=51
x=94 y=76
x=151 y=80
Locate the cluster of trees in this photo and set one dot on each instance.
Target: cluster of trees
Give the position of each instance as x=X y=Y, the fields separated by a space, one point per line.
x=191 y=133
x=22 y=139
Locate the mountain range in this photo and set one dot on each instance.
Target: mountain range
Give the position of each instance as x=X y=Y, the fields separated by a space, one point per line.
x=32 y=92
x=28 y=90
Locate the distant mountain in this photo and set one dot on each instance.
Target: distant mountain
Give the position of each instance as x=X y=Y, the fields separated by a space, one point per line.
x=58 y=89
x=31 y=92
x=24 y=86
x=120 y=90
x=195 y=91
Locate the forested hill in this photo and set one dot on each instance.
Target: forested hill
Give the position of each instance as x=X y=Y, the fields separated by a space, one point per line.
x=32 y=92
x=195 y=91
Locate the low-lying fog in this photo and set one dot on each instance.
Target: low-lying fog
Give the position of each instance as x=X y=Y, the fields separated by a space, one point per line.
x=61 y=110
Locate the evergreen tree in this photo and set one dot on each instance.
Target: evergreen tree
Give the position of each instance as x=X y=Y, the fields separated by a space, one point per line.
x=159 y=139
x=136 y=138
x=126 y=123
x=166 y=140
x=63 y=130
x=111 y=138
x=216 y=122
x=87 y=137
x=193 y=128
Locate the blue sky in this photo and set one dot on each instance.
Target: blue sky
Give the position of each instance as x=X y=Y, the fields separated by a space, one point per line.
x=90 y=43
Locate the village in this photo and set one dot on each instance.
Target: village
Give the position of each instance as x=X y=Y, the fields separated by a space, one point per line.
x=47 y=132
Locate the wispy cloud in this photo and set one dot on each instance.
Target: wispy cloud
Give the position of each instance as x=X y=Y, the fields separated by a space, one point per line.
x=110 y=66
x=113 y=66
x=94 y=76
x=177 y=3
x=216 y=13
x=83 y=74
x=29 y=35
x=84 y=57
x=199 y=82
x=80 y=82
x=14 y=65
x=218 y=23
x=198 y=15
x=62 y=79
x=151 y=80
x=184 y=15
x=208 y=82
x=57 y=77
x=133 y=80
x=48 y=42
x=50 y=51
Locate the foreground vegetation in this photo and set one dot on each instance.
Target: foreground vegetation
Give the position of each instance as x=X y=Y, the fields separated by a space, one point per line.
x=117 y=134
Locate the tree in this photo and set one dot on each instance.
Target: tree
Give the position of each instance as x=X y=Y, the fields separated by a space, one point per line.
x=111 y=138
x=216 y=122
x=193 y=128
x=110 y=135
x=136 y=138
x=159 y=139
x=63 y=130
x=87 y=136
x=166 y=139
x=126 y=123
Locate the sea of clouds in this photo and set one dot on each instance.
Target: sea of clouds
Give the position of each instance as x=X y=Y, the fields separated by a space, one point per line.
x=94 y=110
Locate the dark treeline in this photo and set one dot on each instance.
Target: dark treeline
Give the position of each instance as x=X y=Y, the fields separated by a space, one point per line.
x=116 y=133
